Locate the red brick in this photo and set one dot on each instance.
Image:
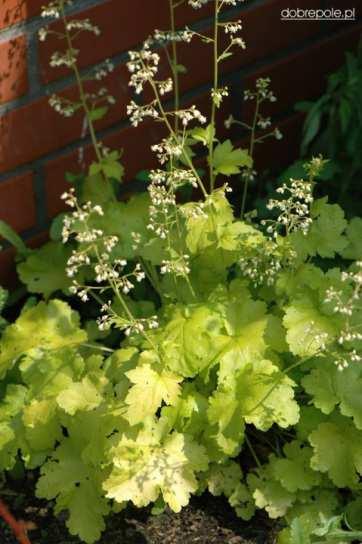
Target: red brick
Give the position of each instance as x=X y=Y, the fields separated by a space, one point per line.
x=15 y=11
x=305 y=69
x=258 y=21
x=35 y=129
x=137 y=155
x=262 y=17
x=14 y=74
x=17 y=202
x=123 y=24
x=276 y=154
x=55 y=182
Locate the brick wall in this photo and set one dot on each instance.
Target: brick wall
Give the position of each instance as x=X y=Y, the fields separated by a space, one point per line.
x=37 y=146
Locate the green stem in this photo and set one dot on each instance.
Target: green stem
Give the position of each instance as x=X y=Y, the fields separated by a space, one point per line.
x=283 y=373
x=252 y=451
x=215 y=87
x=251 y=152
x=174 y=64
x=151 y=275
x=174 y=136
x=82 y=94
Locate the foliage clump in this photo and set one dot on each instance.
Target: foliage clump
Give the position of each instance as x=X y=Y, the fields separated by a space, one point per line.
x=213 y=351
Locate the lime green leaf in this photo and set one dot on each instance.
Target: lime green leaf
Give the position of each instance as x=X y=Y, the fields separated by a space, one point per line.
x=307 y=329
x=269 y=494
x=225 y=415
x=294 y=471
x=298 y=533
x=225 y=480
x=309 y=420
x=266 y=396
x=144 y=468
x=330 y=387
x=76 y=486
x=44 y=269
x=320 y=384
x=109 y=165
x=98 y=190
x=79 y=396
x=113 y=169
x=149 y=390
x=353 y=514
x=203 y=230
x=354 y=236
x=313 y=504
x=256 y=393
x=47 y=373
x=337 y=447
x=222 y=479
x=56 y=227
x=45 y=326
x=203 y=135
x=242 y=501
x=326 y=234
x=191 y=340
x=229 y=161
x=10 y=409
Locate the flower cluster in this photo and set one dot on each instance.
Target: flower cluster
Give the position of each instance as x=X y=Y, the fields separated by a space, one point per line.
x=163 y=205
x=168 y=149
x=197 y=4
x=126 y=324
x=167 y=36
x=54 y=8
x=137 y=113
x=89 y=102
x=68 y=58
x=63 y=105
x=262 y=91
x=293 y=210
x=262 y=262
x=346 y=302
x=179 y=265
x=217 y=95
x=143 y=66
x=103 y=70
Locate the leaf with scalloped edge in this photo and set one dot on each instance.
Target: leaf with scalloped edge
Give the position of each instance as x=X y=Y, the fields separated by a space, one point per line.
x=266 y=396
x=149 y=389
x=82 y=395
x=43 y=271
x=326 y=234
x=293 y=471
x=45 y=326
x=354 y=236
x=76 y=487
x=307 y=328
x=268 y=493
x=191 y=339
x=229 y=161
x=330 y=387
x=337 y=450
x=145 y=467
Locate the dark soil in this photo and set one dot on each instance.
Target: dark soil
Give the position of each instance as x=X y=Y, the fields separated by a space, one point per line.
x=207 y=520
